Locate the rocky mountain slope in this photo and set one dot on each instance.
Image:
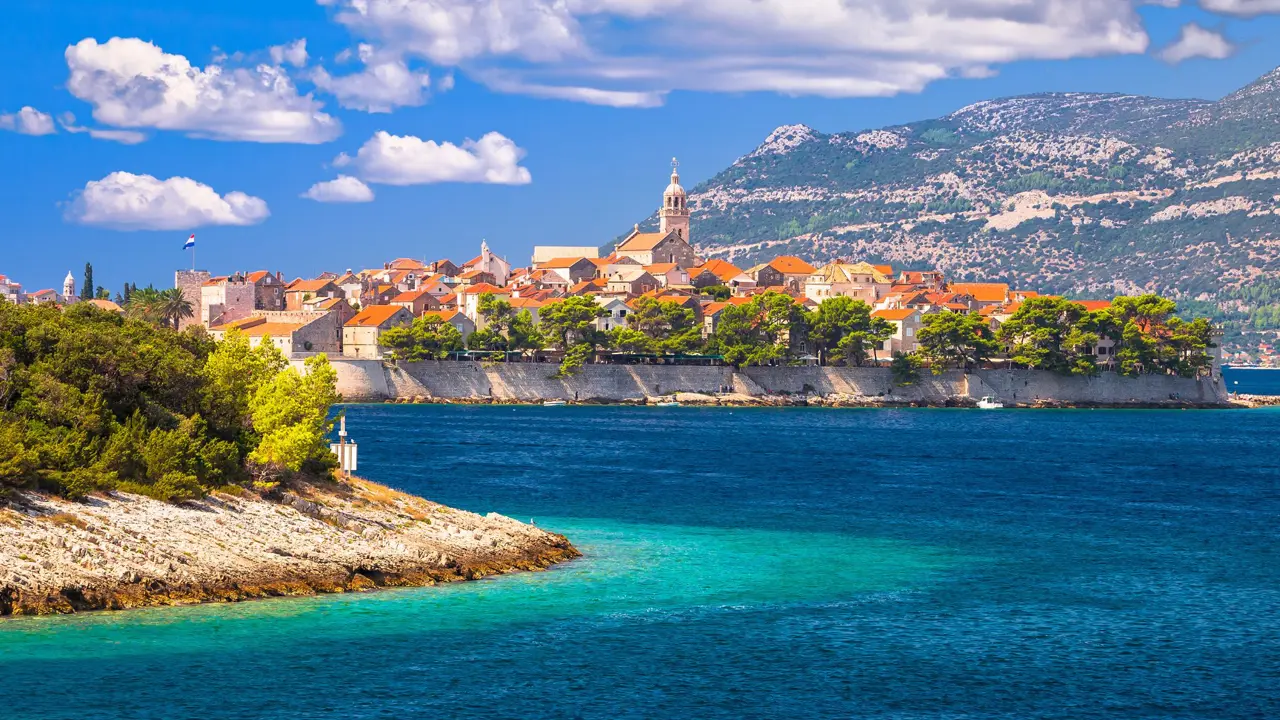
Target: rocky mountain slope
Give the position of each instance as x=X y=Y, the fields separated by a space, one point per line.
x=117 y=550
x=1079 y=193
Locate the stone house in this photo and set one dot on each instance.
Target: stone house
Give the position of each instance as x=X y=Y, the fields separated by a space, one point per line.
x=459 y=321
x=469 y=300
x=417 y=302
x=340 y=307
x=268 y=290
x=300 y=291
x=787 y=271
x=11 y=291
x=729 y=276
x=570 y=270
x=617 y=311
x=295 y=333
x=860 y=281
x=907 y=323
x=630 y=281
x=983 y=294
x=226 y=299
x=653 y=248
x=361 y=334
x=669 y=274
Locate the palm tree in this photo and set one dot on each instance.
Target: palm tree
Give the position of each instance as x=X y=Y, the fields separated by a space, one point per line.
x=174 y=306
x=145 y=304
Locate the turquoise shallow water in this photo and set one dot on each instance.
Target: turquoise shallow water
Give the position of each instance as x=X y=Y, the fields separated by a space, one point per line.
x=756 y=563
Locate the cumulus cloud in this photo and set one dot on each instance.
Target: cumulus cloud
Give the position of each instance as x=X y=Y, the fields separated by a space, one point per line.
x=1242 y=8
x=124 y=201
x=633 y=52
x=345 y=189
x=124 y=137
x=28 y=121
x=294 y=53
x=134 y=84
x=1197 y=42
x=395 y=160
x=381 y=87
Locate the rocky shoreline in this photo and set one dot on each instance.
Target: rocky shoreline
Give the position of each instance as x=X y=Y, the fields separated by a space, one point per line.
x=115 y=550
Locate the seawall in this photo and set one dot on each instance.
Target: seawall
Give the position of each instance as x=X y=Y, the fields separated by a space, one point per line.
x=375 y=381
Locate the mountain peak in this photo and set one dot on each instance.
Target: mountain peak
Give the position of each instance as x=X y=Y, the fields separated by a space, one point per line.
x=1268 y=84
x=784 y=139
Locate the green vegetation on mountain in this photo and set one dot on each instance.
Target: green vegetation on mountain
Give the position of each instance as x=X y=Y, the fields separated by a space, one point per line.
x=91 y=401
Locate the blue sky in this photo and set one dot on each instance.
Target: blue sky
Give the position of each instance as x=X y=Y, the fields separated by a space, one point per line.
x=589 y=98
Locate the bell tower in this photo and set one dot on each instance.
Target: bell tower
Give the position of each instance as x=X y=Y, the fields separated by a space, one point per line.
x=674 y=215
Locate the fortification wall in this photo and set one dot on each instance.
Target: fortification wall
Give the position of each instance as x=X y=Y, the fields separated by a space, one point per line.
x=371 y=380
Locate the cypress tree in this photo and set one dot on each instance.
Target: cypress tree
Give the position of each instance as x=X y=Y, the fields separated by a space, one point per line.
x=87 y=289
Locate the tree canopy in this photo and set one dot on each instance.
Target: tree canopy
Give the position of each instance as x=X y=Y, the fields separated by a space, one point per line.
x=90 y=400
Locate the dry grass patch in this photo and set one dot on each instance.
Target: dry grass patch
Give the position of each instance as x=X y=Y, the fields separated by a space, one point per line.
x=64 y=519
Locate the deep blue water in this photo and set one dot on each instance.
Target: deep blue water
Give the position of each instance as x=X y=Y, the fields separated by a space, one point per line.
x=1252 y=381
x=756 y=564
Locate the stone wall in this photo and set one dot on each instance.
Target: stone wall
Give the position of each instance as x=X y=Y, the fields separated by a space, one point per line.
x=372 y=380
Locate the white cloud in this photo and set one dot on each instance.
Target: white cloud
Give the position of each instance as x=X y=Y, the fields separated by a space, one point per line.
x=1242 y=8
x=294 y=53
x=450 y=31
x=124 y=201
x=1197 y=42
x=135 y=84
x=124 y=137
x=380 y=88
x=28 y=121
x=633 y=52
x=345 y=189
x=395 y=160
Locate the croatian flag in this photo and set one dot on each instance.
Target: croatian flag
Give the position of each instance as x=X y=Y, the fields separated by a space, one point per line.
x=191 y=242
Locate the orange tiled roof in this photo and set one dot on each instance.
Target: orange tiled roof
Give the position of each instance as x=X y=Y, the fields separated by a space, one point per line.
x=898 y=315
x=563 y=263
x=983 y=292
x=639 y=242
x=375 y=315
x=479 y=288
x=445 y=315
x=309 y=285
x=407 y=264
x=791 y=265
x=720 y=268
x=886 y=270
x=411 y=296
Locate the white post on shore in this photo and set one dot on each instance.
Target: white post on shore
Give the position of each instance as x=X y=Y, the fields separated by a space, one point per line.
x=345 y=451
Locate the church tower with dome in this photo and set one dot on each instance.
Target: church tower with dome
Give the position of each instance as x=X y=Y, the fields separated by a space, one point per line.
x=674 y=215
x=69 y=289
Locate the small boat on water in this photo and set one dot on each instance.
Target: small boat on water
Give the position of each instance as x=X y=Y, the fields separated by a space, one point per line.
x=554 y=403
x=671 y=403
x=989 y=402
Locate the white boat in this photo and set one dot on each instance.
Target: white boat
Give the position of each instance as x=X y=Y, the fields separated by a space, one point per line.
x=672 y=403
x=989 y=403
x=555 y=403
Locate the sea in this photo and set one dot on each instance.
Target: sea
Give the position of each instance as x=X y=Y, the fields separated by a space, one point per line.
x=1252 y=380
x=755 y=563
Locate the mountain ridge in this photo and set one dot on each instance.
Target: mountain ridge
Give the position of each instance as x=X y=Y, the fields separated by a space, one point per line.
x=1088 y=194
